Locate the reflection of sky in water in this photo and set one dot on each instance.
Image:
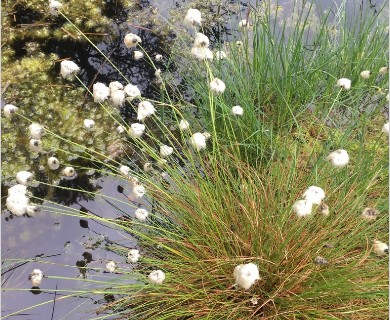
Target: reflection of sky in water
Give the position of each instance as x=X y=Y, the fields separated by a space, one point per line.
x=53 y=234
x=62 y=236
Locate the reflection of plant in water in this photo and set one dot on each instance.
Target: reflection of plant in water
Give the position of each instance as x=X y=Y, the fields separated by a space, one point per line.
x=221 y=223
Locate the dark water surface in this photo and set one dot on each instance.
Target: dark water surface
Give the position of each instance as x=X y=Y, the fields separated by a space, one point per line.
x=59 y=242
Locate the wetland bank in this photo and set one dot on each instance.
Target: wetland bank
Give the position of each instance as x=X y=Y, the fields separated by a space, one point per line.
x=228 y=170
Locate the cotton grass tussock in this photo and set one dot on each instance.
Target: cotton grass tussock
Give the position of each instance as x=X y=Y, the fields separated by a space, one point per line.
x=338 y=158
x=9 y=110
x=136 y=130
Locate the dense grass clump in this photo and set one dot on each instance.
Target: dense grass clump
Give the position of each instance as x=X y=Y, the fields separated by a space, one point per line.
x=225 y=194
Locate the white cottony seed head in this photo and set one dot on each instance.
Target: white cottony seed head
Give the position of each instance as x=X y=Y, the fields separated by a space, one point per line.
x=156 y=277
x=69 y=69
x=69 y=172
x=159 y=57
x=219 y=55
x=138 y=55
x=237 y=111
x=120 y=129
x=380 y=248
x=141 y=214
x=370 y=214
x=165 y=151
x=118 y=98
x=139 y=191
x=193 y=18
x=131 y=40
x=201 y=41
x=386 y=128
x=115 y=85
x=314 y=194
x=217 y=86
x=133 y=255
x=202 y=53
x=9 y=110
x=145 y=109
x=89 y=124
x=54 y=6
x=17 y=203
x=383 y=70
x=184 y=124
x=100 y=92
x=243 y=24
x=338 y=158
x=302 y=208
x=132 y=91
x=124 y=170
x=344 y=83
x=24 y=177
x=36 y=145
x=53 y=163
x=245 y=275
x=111 y=266
x=365 y=74
x=198 y=141
x=36 y=277
x=136 y=130
x=36 y=131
